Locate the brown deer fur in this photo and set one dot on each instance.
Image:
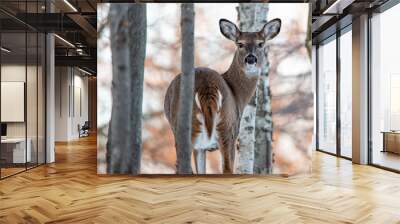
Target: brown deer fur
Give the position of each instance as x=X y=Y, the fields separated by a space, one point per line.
x=220 y=99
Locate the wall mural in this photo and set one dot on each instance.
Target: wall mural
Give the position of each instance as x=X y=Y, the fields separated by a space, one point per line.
x=251 y=107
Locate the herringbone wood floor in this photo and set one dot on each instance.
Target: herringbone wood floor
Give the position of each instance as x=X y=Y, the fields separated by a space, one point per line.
x=69 y=191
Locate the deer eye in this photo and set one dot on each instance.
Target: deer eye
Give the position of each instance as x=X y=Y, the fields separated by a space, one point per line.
x=261 y=44
x=240 y=45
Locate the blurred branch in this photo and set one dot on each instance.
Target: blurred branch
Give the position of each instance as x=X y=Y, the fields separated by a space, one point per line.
x=298 y=76
x=101 y=27
x=153 y=114
x=278 y=58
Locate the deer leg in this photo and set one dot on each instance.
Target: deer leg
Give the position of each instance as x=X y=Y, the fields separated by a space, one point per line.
x=200 y=160
x=177 y=160
x=228 y=157
x=232 y=156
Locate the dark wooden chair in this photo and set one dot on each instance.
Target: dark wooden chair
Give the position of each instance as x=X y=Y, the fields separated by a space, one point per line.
x=84 y=130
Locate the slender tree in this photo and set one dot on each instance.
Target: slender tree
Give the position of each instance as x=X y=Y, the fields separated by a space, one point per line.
x=184 y=127
x=137 y=32
x=263 y=145
x=308 y=38
x=255 y=136
x=117 y=144
x=263 y=135
x=128 y=40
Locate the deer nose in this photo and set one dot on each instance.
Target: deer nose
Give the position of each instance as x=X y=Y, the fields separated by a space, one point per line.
x=250 y=59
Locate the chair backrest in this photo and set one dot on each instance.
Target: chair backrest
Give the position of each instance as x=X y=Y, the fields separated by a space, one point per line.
x=86 y=124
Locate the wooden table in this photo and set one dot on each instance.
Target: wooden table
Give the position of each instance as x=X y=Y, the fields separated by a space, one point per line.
x=391 y=141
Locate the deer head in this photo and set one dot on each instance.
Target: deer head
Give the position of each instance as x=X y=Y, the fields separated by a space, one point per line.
x=250 y=46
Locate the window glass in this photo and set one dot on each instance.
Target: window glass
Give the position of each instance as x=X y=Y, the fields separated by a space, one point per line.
x=385 y=84
x=14 y=151
x=345 y=94
x=22 y=89
x=327 y=97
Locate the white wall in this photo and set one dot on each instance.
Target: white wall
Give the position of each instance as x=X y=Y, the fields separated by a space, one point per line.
x=12 y=73
x=13 y=99
x=71 y=93
x=62 y=81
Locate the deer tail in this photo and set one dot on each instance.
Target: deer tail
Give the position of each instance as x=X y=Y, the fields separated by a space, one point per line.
x=209 y=102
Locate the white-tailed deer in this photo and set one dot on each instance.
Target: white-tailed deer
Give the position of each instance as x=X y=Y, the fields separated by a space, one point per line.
x=220 y=99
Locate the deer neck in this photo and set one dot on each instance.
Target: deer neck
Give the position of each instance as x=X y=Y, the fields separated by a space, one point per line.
x=242 y=86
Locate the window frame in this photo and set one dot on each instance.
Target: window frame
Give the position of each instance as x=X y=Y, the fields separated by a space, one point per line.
x=380 y=9
x=333 y=37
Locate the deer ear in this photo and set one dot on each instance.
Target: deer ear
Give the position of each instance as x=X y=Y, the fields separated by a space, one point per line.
x=229 y=29
x=271 y=29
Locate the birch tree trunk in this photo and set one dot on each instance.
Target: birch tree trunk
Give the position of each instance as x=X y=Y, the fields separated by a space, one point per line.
x=263 y=145
x=184 y=127
x=118 y=142
x=128 y=44
x=308 y=38
x=137 y=32
x=252 y=17
x=263 y=156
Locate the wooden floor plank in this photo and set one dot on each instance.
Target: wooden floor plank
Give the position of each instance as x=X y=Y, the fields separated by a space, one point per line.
x=70 y=191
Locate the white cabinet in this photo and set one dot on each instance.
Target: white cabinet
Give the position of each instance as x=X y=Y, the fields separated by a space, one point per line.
x=18 y=149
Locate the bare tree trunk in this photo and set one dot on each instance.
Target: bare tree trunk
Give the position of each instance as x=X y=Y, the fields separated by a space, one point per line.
x=308 y=38
x=252 y=17
x=245 y=153
x=184 y=127
x=128 y=44
x=263 y=144
x=137 y=31
x=118 y=142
